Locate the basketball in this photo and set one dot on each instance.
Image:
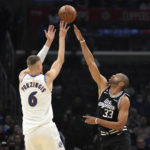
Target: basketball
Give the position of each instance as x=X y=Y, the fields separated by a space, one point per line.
x=67 y=13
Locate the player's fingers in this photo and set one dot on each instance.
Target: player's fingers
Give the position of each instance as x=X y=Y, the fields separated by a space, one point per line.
x=54 y=30
x=76 y=30
x=68 y=28
x=87 y=121
x=45 y=32
x=66 y=24
x=61 y=24
x=75 y=27
x=50 y=26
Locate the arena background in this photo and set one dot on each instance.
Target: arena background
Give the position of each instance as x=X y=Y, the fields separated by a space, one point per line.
x=118 y=34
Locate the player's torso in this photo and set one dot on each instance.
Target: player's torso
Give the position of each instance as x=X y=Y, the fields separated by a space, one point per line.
x=36 y=101
x=108 y=107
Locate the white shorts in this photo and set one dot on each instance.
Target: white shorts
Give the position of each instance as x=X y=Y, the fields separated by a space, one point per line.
x=44 y=138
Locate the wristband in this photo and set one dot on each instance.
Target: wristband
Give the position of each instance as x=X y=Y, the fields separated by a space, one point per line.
x=96 y=120
x=82 y=41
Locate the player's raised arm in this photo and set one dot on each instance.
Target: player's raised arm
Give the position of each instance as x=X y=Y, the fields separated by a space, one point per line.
x=50 y=34
x=57 y=65
x=98 y=78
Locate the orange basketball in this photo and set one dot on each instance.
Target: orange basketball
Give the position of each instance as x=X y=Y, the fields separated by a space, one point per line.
x=67 y=13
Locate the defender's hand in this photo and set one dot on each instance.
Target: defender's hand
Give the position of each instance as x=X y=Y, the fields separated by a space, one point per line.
x=78 y=33
x=50 y=34
x=90 y=120
x=63 y=29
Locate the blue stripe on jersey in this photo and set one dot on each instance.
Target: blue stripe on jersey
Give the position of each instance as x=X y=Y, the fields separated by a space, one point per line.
x=45 y=78
x=23 y=77
x=35 y=75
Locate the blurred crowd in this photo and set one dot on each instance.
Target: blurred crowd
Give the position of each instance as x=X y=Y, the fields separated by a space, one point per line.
x=142 y=4
x=11 y=137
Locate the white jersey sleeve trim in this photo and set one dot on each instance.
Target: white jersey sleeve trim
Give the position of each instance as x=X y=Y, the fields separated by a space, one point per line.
x=23 y=77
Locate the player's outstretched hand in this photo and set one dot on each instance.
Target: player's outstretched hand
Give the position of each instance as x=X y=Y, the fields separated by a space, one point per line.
x=90 y=120
x=78 y=33
x=50 y=34
x=63 y=29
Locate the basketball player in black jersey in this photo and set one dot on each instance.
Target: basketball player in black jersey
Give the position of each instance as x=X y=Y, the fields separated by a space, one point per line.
x=113 y=104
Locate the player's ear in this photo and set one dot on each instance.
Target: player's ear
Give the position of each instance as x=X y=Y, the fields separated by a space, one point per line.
x=122 y=84
x=38 y=66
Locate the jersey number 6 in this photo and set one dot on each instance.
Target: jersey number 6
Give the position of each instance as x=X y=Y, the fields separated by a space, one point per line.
x=32 y=99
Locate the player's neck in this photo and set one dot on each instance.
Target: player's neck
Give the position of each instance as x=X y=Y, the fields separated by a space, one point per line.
x=34 y=72
x=114 y=90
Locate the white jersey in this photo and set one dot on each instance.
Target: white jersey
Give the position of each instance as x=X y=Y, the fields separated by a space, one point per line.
x=36 y=102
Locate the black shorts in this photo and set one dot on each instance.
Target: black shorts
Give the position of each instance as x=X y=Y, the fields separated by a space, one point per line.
x=115 y=142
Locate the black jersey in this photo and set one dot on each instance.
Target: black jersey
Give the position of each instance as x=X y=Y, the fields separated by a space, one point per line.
x=108 y=109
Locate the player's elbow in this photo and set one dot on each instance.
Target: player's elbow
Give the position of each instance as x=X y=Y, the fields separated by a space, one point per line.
x=61 y=60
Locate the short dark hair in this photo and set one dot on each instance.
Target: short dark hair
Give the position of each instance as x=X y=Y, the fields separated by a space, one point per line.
x=31 y=60
x=125 y=79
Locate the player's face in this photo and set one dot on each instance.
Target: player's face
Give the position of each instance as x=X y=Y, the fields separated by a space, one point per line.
x=115 y=79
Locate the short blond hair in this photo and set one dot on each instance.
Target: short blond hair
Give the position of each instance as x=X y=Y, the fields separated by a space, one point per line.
x=33 y=59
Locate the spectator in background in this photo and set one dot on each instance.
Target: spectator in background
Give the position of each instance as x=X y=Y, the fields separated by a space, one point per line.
x=8 y=122
x=143 y=130
x=18 y=142
x=17 y=129
x=141 y=144
x=140 y=104
x=4 y=146
x=134 y=119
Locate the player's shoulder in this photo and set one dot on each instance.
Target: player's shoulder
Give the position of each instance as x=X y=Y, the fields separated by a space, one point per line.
x=125 y=101
x=126 y=97
x=22 y=78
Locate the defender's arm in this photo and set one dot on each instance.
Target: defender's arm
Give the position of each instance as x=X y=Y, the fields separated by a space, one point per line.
x=98 y=78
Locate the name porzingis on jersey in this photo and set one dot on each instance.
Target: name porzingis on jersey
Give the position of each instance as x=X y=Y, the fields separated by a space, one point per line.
x=33 y=84
x=106 y=104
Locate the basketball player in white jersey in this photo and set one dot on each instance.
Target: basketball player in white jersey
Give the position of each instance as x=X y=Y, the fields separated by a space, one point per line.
x=35 y=90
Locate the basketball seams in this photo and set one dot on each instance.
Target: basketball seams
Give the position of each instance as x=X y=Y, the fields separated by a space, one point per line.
x=67 y=13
